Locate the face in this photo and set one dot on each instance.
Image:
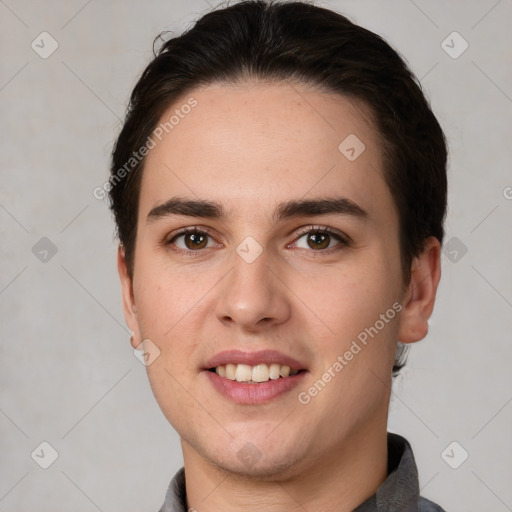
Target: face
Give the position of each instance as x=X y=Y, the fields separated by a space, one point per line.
x=294 y=263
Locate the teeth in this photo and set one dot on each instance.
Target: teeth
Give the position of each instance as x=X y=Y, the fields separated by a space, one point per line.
x=243 y=373
x=260 y=373
x=254 y=374
x=274 y=371
x=230 y=371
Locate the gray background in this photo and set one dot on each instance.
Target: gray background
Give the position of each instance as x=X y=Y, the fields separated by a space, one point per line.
x=67 y=372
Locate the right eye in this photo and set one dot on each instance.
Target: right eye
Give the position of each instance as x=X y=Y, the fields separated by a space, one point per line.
x=190 y=240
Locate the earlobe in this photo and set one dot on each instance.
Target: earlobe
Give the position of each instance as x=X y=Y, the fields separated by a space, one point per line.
x=420 y=296
x=129 y=308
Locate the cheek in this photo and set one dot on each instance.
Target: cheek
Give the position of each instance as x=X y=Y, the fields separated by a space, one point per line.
x=347 y=299
x=358 y=329
x=162 y=296
x=359 y=310
x=166 y=315
x=171 y=310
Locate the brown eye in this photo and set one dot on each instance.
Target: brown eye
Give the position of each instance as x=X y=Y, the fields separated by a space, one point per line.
x=195 y=240
x=318 y=240
x=321 y=240
x=191 y=240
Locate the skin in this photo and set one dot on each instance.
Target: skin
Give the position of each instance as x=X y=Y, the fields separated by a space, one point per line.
x=250 y=147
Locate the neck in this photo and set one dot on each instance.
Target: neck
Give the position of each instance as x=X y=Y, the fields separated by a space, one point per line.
x=341 y=480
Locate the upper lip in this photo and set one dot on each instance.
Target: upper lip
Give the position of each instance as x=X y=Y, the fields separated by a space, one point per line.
x=253 y=358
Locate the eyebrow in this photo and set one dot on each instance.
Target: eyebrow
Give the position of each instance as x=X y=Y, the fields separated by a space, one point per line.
x=288 y=209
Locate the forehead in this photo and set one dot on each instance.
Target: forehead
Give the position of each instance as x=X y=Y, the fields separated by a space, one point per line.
x=256 y=144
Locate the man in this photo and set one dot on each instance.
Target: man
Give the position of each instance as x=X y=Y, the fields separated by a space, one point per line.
x=279 y=188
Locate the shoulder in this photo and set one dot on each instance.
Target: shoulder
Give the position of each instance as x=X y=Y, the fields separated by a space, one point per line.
x=428 y=506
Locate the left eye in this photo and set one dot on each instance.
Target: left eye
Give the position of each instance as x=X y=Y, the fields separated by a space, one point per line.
x=318 y=239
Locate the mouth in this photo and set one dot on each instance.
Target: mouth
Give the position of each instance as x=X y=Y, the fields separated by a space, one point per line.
x=262 y=372
x=253 y=377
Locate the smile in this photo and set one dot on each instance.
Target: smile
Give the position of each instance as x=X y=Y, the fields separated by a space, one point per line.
x=254 y=374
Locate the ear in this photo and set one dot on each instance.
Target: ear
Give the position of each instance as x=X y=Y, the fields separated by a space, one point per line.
x=420 y=296
x=129 y=308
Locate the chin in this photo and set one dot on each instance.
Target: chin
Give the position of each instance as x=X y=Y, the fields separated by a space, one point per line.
x=250 y=462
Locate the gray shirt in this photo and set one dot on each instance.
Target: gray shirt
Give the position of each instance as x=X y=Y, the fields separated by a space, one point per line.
x=398 y=493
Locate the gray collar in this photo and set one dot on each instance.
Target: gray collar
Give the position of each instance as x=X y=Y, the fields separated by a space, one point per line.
x=398 y=493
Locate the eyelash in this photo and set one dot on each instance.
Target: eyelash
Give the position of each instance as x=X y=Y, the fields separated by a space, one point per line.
x=344 y=240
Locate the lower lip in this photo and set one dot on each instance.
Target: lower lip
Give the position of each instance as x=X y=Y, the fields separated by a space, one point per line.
x=252 y=394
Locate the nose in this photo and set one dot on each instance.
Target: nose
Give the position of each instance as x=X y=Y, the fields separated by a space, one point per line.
x=253 y=296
